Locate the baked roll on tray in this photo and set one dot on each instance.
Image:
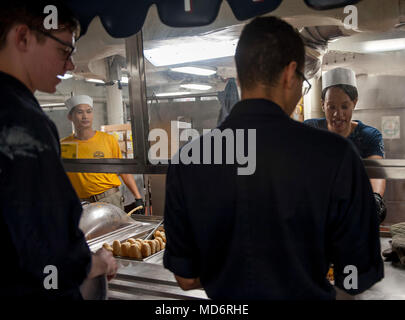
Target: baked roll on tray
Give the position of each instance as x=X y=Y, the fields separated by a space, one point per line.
x=137 y=248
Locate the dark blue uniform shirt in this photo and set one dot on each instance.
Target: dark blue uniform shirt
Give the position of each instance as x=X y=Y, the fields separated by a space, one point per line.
x=273 y=234
x=40 y=211
x=368 y=140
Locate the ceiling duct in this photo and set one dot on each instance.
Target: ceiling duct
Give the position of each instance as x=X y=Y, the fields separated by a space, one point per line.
x=115 y=65
x=316 y=41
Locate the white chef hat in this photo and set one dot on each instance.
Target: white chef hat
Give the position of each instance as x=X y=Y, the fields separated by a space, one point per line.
x=339 y=76
x=75 y=100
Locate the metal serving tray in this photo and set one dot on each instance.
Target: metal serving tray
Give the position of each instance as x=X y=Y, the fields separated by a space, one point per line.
x=154 y=257
x=140 y=230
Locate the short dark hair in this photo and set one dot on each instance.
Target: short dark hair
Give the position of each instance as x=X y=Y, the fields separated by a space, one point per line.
x=32 y=14
x=351 y=91
x=266 y=46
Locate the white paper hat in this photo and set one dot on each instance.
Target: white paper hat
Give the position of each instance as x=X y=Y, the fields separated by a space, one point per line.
x=339 y=76
x=75 y=100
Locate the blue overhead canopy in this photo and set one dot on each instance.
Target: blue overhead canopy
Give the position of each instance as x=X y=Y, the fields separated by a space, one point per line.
x=123 y=18
x=329 y=4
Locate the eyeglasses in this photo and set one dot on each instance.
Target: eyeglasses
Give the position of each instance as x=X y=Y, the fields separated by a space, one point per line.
x=69 y=48
x=308 y=86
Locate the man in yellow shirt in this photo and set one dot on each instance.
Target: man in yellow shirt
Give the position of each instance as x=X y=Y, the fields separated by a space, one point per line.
x=95 y=187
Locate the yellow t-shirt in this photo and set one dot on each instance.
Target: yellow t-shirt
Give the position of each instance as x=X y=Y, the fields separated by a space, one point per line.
x=101 y=145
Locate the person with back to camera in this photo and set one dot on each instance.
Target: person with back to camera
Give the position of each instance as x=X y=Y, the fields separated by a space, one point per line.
x=274 y=233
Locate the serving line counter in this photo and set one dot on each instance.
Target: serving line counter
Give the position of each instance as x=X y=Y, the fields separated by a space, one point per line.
x=147 y=279
x=392 y=287
x=144 y=279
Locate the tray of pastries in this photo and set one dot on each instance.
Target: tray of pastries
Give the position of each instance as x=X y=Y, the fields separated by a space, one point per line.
x=138 y=249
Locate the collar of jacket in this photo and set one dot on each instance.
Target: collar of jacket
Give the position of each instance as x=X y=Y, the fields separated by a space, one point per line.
x=9 y=81
x=257 y=107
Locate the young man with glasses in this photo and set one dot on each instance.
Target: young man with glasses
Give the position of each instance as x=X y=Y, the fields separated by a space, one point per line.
x=272 y=234
x=39 y=209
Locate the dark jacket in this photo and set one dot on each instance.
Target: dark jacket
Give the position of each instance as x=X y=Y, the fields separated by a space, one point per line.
x=39 y=210
x=274 y=234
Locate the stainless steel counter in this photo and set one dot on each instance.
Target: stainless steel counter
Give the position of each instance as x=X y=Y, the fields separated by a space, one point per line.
x=142 y=280
x=149 y=281
x=392 y=287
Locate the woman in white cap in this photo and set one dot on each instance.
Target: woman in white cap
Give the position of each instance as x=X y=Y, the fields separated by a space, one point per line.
x=95 y=187
x=339 y=98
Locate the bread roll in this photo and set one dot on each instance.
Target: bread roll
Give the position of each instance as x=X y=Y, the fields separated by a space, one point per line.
x=157 y=245
x=161 y=242
x=157 y=234
x=131 y=240
x=116 y=248
x=163 y=245
x=135 y=251
x=146 y=251
x=163 y=236
x=140 y=241
x=125 y=249
x=108 y=247
x=152 y=246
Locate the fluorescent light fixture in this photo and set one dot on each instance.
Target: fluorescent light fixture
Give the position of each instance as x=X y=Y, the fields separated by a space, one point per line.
x=194 y=86
x=190 y=51
x=172 y=94
x=48 y=105
x=384 y=45
x=195 y=70
x=94 y=80
x=65 y=76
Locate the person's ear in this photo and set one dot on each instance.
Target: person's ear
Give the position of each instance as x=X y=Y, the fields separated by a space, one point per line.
x=22 y=36
x=290 y=76
x=323 y=105
x=355 y=103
